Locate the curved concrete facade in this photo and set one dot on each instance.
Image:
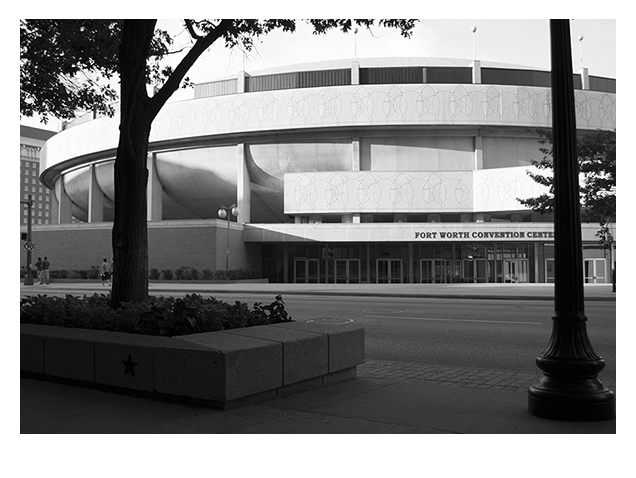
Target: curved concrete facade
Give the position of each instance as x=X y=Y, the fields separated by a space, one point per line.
x=405 y=128
x=404 y=139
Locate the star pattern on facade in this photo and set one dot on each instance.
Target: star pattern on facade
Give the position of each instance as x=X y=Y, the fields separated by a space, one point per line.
x=129 y=366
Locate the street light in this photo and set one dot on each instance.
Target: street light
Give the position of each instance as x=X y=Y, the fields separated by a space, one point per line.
x=28 y=279
x=224 y=212
x=570 y=388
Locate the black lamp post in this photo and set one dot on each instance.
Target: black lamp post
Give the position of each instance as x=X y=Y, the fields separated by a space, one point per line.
x=569 y=389
x=224 y=212
x=28 y=278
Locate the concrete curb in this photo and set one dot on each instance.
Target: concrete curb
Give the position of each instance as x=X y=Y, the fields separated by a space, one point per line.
x=347 y=293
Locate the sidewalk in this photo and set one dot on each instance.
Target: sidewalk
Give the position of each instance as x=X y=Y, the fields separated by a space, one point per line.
x=452 y=291
x=368 y=404
x=385 y=398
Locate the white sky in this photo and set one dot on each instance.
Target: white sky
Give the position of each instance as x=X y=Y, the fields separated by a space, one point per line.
x=520 y=42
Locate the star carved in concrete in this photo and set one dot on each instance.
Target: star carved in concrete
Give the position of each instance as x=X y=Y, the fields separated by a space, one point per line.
x=129 y=366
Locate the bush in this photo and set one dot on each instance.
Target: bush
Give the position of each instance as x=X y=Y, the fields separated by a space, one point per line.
x=73 y=275
x=93 y=273
x=186 y=273
x=167 y=274
x=59 y=274
x=158 y=316
x=34 y=272
x=273 y=313
x=207 y=274
x=182 y=273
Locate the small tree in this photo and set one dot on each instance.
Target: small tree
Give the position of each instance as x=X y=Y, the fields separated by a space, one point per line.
x=597 y=166
x=57 y=59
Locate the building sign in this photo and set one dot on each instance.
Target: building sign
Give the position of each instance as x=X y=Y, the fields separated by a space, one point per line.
x=405 y=232
x=480 y=235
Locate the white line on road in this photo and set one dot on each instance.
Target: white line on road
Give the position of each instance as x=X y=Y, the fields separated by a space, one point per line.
x=451 y=320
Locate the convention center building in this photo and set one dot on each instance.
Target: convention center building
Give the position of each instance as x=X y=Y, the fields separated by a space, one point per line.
x=380 y=170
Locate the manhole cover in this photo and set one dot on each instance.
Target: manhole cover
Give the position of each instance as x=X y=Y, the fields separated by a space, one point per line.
x=330 y=320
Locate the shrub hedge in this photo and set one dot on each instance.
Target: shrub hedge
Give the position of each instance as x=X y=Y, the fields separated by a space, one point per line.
x=163 y=316
x=182 y=273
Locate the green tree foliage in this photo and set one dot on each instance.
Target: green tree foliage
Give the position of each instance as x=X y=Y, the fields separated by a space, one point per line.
x=61 y=63
x=62 y=67
x=597 y=167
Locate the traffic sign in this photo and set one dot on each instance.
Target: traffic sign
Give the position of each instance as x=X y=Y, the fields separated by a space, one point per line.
x=29 y=245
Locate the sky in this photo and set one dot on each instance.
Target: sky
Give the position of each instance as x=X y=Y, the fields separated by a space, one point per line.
x=519 y=42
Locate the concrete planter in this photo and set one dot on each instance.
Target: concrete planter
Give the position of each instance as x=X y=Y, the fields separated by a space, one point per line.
x=219 y=369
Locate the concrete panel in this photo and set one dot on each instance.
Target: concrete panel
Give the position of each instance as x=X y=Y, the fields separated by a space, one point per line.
x=408 y=191
x=217 y=366
x=70 y=353
x=305 y=354
x=126 y=360
x=32 y=346
x=346 y=342
x=189 y=370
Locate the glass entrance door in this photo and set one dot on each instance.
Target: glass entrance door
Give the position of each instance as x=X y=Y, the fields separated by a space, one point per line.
x=306 y=271
x=594 y=270
x=389 y=271
x=476 y=270
x=515 y=270
x=433 y=271
x=347 y=271
x=549 y=271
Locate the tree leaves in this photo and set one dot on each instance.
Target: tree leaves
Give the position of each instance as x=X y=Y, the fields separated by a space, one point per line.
x=597 y=165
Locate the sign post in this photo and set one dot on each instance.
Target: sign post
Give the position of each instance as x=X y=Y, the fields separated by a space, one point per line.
x=28 y=244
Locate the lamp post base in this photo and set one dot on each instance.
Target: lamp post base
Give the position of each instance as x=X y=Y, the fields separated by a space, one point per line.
x=571 y=399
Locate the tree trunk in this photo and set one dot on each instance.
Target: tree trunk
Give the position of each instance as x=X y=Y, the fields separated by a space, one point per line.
x=130 y=231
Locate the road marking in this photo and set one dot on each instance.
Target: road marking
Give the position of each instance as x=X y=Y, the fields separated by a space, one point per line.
x=330 y=320
x=451 y=320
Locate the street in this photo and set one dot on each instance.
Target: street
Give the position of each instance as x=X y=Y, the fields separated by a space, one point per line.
x=479 y=333
x=494 y=334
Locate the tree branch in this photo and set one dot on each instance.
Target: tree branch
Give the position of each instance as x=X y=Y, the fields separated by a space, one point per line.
x=173 y=82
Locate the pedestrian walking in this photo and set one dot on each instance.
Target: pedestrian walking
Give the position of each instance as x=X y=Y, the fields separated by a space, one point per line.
x=111 y=270
x=38 y=267
x=104 y=272
x=45 y=270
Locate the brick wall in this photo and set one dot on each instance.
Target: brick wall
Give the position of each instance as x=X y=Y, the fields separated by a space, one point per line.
x=171 y=244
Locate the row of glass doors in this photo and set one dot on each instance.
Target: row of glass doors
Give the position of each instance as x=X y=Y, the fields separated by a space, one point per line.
x=593 y=271
x=424 y=263
x=347 y=271
x=390 y=271
x=471 y=270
